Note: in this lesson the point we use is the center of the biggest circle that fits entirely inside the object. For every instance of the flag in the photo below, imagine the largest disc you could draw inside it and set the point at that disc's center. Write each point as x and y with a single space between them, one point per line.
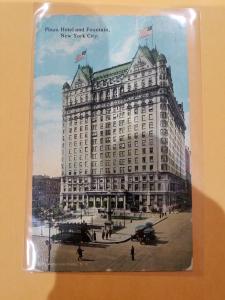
80 56
145 32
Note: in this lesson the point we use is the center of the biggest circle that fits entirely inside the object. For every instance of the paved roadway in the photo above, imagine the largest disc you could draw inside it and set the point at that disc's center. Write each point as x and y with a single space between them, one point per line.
173 251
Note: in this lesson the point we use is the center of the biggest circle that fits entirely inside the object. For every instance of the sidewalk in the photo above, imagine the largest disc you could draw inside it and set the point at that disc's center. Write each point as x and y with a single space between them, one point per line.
124 234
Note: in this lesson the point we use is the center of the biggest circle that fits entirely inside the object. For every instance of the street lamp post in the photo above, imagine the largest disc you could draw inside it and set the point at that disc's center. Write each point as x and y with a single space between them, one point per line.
124 208
109 211
48 242
49 245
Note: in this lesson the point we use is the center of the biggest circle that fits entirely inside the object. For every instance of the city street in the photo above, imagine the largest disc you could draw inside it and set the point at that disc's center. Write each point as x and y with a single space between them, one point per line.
172 252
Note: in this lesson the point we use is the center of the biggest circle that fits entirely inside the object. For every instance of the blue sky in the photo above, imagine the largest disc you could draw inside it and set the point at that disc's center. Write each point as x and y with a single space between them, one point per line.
54 64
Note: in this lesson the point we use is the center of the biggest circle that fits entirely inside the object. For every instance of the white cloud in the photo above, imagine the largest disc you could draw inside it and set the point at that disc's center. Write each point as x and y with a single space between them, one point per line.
47 149
40 101
61 47
122 55
47 115
42 82
47 137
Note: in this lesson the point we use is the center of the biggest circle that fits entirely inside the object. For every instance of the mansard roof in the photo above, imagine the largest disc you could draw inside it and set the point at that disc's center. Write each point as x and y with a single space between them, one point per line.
151 54
116 70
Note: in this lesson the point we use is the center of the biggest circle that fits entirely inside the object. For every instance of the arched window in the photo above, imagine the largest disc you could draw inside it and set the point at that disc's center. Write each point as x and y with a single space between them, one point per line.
121 89
115 92
101 96
107 94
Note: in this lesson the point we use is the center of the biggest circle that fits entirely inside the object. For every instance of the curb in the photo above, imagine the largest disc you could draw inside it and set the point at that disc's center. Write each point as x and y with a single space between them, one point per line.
114 242
160 220
127 239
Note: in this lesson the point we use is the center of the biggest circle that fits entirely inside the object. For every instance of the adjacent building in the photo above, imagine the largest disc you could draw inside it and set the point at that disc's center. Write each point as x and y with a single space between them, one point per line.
123 136
45 191
188 176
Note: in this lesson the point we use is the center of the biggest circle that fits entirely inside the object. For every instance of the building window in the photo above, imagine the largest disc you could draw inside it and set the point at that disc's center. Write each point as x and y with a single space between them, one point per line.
163 115
101 95
164 167
121 169
115 92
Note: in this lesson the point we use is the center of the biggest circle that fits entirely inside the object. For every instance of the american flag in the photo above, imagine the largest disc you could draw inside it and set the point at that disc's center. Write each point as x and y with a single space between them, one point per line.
80 56
145 32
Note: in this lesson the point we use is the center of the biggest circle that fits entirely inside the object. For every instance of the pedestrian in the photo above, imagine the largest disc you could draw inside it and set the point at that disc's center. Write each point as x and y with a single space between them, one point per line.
103 234
132 252
106 235
110 232
164 210
79 253
94 236
160 212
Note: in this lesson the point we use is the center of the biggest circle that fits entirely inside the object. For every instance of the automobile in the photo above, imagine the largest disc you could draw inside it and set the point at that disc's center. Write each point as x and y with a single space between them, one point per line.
134 209
71 233
144 233
71 237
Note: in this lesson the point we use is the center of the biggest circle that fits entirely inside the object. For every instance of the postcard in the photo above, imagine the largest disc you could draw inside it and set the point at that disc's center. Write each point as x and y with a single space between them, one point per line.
111 182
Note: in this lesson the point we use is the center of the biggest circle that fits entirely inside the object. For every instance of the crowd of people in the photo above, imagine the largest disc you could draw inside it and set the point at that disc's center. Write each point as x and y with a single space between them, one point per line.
106 234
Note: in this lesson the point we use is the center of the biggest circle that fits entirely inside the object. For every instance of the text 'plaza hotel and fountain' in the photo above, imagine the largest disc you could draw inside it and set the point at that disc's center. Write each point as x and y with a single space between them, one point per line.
123 136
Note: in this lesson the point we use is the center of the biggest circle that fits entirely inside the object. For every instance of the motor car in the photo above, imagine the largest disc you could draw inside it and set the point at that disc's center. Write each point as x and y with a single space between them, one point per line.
144 233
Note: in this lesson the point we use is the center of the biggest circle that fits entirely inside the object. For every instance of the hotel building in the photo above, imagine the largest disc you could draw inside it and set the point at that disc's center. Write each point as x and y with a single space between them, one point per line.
123 136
